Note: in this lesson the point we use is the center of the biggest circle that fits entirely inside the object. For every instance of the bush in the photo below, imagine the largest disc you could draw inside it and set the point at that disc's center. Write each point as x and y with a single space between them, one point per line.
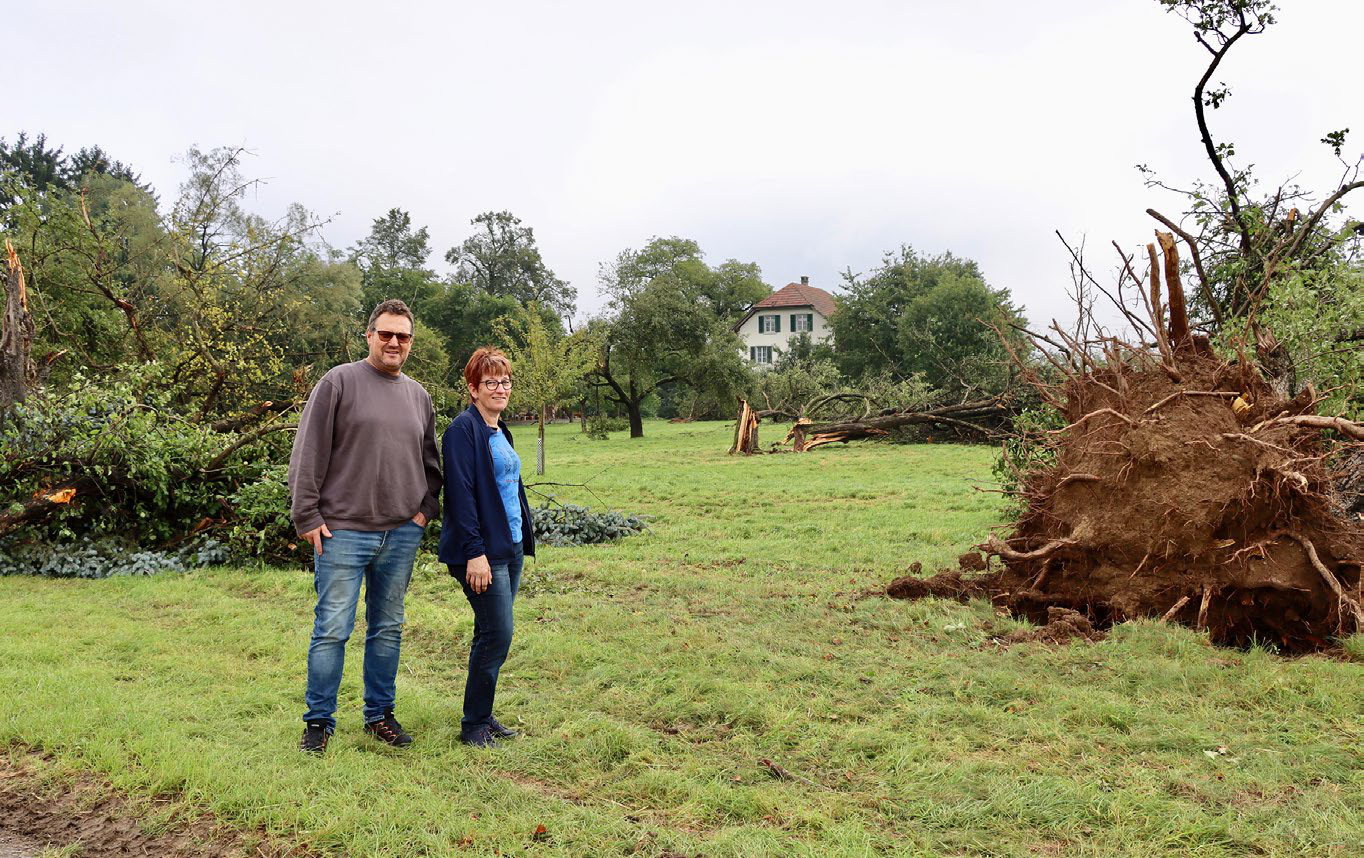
568 524
599 425
1026 451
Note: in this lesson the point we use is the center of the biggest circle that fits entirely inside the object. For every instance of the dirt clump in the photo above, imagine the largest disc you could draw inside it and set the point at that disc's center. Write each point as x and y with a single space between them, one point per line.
947 584
1063 625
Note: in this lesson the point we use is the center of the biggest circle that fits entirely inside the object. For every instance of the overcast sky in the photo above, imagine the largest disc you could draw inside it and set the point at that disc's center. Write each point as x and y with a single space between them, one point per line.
809 137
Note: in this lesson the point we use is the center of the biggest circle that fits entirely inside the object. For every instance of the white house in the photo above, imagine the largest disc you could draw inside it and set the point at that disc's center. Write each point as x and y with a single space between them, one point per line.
791 310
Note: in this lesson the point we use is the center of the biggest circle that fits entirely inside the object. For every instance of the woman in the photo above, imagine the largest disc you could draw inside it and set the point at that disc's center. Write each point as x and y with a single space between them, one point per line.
485 533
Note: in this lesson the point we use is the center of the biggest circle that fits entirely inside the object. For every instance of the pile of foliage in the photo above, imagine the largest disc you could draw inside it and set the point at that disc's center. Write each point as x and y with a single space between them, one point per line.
569 524
105 558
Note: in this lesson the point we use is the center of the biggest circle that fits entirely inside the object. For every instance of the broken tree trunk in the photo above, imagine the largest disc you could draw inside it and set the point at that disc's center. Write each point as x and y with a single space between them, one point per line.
16 336
745 430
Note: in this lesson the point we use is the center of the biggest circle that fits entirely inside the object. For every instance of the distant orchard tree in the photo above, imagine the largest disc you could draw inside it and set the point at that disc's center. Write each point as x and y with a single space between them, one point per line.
392 262
548 367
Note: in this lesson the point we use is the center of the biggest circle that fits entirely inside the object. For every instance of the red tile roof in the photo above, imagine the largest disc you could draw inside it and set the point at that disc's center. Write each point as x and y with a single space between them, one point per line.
799 295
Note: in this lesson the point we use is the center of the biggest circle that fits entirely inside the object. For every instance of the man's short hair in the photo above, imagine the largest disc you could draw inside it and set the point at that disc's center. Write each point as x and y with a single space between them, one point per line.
484 362
392 307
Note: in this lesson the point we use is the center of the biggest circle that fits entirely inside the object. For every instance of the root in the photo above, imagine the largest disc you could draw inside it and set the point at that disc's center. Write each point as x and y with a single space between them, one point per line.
1326 575
1175 609
1348 428
997 547
1226 394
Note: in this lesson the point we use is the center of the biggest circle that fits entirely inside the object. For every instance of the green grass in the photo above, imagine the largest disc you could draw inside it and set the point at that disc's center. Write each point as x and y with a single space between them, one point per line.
652 676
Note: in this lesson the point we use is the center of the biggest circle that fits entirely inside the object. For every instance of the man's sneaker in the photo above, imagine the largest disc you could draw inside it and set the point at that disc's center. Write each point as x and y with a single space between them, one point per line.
388 730
480 738
315 736
500 731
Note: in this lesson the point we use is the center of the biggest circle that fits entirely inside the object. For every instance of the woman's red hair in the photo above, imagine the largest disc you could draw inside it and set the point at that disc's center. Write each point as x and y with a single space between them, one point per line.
486 361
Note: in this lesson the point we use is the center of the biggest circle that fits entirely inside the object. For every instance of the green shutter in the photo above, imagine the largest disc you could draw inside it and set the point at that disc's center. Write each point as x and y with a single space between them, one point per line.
810 322
776 320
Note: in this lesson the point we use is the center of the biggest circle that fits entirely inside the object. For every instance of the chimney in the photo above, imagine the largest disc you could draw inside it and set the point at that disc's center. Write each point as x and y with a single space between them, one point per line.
804 280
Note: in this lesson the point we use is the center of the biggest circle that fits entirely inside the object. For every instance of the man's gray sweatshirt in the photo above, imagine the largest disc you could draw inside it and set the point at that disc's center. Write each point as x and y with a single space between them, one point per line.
365 455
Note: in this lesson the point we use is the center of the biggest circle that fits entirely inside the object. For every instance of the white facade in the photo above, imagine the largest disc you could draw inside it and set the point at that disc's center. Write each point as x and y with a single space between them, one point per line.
756 329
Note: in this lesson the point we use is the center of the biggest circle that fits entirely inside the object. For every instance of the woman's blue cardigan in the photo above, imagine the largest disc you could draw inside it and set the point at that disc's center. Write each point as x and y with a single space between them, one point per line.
474 522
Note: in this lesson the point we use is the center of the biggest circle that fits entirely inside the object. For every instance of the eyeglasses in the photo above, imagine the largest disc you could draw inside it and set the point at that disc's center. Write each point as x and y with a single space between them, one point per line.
385 336
495 383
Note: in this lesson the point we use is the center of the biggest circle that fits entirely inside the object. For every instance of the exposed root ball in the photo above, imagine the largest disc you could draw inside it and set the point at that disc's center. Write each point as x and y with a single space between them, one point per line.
1195 499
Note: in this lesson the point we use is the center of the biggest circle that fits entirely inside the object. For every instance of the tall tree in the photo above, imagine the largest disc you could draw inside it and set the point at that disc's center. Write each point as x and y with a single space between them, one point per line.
502 259
392 261
924 315
665 327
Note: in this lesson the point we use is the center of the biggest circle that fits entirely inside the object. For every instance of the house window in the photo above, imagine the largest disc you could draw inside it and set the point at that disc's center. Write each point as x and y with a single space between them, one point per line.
760 354
802 322
769 324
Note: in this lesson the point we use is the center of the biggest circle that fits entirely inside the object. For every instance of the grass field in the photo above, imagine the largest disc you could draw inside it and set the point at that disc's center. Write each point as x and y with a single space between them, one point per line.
653 677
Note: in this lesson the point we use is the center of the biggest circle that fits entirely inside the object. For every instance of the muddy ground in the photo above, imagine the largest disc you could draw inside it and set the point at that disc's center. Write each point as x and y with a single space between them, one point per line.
41 807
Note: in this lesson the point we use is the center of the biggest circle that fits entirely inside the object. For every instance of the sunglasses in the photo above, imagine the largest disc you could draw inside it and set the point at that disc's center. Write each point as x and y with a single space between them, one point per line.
385 336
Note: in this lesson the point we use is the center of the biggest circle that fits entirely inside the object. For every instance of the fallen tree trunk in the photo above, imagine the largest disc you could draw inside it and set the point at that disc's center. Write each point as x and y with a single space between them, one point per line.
972 418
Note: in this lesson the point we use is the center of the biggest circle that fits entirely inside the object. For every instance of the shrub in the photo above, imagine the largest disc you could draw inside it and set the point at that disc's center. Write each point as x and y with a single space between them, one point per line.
599 425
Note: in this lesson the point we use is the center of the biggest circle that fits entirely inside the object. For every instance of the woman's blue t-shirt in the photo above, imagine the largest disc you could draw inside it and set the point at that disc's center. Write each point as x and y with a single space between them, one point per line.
507 472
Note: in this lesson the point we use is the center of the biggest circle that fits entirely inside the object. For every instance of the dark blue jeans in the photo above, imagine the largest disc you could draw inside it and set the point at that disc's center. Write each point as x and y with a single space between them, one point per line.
383 561
492 639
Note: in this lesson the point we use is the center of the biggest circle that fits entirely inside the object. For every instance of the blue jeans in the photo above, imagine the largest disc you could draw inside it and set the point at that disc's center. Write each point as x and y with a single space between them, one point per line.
492 640
383 561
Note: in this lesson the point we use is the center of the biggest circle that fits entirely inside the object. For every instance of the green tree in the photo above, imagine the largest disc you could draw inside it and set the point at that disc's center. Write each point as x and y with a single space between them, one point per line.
502 259
548 366
923 315
392 261
1284 255
665 329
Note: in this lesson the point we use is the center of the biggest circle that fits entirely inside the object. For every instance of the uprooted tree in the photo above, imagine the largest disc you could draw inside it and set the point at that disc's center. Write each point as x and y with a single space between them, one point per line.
1182 486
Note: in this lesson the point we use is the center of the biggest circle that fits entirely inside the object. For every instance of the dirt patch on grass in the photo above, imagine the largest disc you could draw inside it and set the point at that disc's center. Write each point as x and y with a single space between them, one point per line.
40 805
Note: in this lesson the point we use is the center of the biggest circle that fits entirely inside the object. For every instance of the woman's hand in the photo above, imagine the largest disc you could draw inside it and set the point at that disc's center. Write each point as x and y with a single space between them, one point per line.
478 573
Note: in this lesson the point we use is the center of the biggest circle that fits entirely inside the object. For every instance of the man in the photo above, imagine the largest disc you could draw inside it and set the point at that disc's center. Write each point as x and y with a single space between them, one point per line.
364 476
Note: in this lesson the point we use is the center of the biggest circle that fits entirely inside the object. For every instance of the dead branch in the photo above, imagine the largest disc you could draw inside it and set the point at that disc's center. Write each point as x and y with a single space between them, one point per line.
1174 289
1204 285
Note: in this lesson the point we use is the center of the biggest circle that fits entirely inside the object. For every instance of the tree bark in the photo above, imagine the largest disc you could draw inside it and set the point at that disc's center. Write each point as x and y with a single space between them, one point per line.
16 336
